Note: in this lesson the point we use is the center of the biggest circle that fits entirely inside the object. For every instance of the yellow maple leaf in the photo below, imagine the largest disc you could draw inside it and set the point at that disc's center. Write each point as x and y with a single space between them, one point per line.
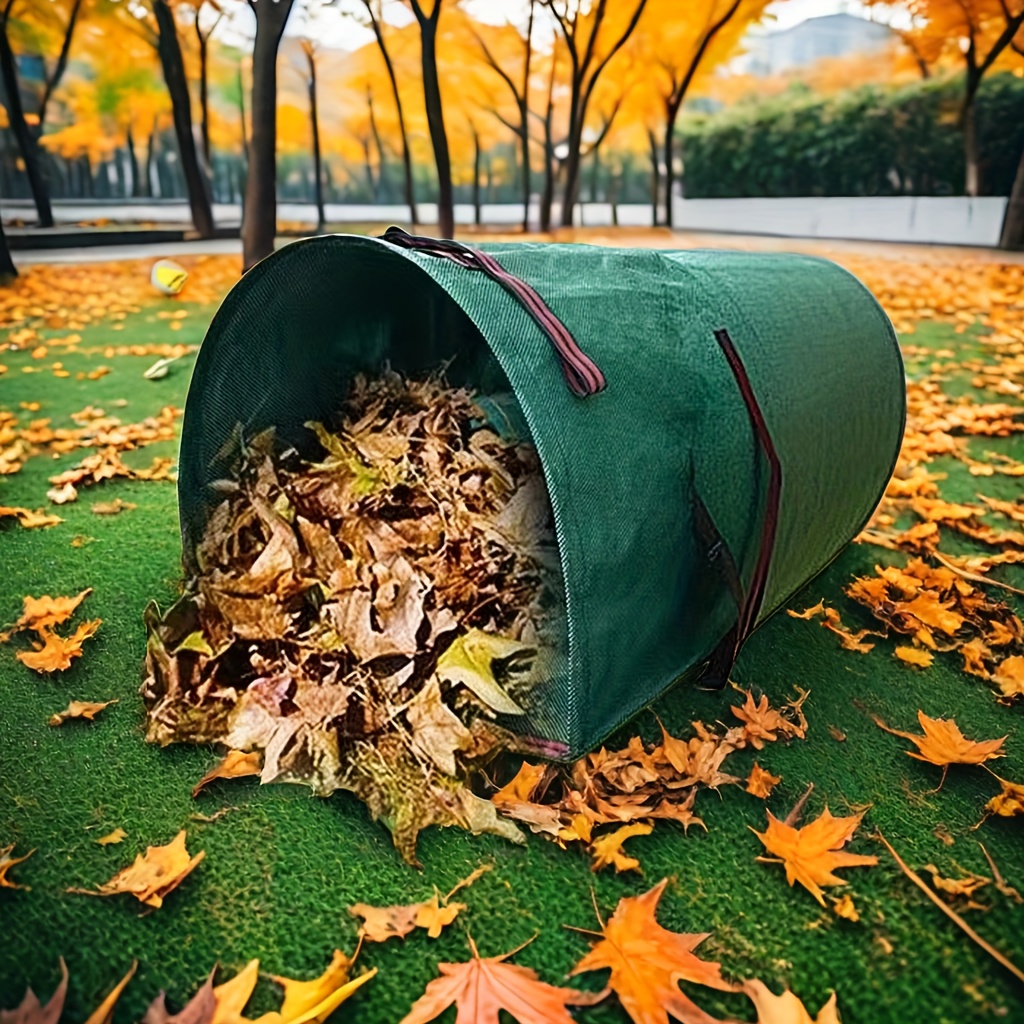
1009 676
811 854
915 656
761 782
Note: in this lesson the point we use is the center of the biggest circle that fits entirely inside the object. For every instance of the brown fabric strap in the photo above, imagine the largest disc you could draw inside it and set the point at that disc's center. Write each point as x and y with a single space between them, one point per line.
750 600
581 372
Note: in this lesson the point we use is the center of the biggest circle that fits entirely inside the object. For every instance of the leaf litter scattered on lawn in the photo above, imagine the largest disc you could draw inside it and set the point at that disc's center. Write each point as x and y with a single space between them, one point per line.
941 611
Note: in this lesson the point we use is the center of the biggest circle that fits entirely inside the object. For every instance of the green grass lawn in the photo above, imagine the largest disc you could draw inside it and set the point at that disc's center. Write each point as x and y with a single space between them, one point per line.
282 867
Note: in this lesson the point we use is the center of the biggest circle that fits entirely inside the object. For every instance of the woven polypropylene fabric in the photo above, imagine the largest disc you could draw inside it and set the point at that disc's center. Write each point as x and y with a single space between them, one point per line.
644 606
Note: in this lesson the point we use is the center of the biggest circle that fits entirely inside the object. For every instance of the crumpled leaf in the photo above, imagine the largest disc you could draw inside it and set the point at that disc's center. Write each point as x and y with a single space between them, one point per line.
764 724
812 854
966 886
153 875
1008 802
6 863
1009 676
43 612
56 653
30 1011
844 907
234 765
914 656
80 709
433 915
117 836
437 732
28 519
647 962
481 987
607 849
787 1008
470 661
761 782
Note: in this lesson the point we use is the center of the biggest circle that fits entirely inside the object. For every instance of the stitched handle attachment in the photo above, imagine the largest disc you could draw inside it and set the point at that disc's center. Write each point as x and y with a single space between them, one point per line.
581 373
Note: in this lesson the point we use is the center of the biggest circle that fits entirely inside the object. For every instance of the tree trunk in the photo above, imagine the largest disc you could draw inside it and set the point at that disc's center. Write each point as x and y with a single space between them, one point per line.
259 220
60 67
655 179
970 149
19 127
1012 235
572 160
595 173
204 90
383 177
150 154
173 67
410 184
133 163
435 121
318 182
476 178
8 271
671 115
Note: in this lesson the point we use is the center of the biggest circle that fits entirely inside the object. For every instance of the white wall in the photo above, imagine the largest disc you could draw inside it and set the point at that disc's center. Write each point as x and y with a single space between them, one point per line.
949 220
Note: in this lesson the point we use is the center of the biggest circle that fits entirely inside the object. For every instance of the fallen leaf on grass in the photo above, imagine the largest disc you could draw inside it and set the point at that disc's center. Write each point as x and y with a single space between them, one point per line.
943 744
56 652
157 872
761 782
787 1008
112 508
31 1011
235 765
966 886
80 709
915 656
1008 802
482 987
62 495
433 915
1009 676
42 612
811 854
6 863
844 907
607 849
764 724
104 1013
30 520
648 962
808 613
112 837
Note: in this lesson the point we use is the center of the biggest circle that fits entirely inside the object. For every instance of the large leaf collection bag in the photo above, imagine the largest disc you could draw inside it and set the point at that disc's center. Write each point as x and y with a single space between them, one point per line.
711 428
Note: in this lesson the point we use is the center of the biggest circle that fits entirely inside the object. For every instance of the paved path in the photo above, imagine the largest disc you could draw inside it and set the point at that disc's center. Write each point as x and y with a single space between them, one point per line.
659 238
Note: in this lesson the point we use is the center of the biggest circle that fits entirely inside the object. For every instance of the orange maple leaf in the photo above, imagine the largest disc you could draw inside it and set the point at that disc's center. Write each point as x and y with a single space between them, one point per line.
944 744
647 963
811 854
607 849
235 764
481 987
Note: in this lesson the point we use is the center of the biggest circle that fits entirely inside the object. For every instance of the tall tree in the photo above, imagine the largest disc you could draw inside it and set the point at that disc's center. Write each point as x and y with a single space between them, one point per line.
259 220
309 50
373 10
676 43
428 22
594 32
23 134
168 48
203 39
977 33
521 94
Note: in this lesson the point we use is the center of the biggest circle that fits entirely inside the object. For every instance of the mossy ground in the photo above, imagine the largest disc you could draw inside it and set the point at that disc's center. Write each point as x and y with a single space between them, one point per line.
281 867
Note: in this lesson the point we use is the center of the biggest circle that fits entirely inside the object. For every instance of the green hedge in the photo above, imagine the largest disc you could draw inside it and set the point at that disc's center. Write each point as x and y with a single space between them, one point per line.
872 141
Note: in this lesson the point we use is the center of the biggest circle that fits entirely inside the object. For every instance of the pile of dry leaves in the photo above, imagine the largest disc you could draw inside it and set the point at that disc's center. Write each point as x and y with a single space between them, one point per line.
364 619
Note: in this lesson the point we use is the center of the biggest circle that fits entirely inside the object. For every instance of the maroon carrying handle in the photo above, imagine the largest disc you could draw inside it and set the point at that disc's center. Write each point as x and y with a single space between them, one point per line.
581 373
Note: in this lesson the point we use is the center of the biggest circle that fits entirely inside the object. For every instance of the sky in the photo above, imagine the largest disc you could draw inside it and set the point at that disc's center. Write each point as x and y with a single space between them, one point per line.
332 29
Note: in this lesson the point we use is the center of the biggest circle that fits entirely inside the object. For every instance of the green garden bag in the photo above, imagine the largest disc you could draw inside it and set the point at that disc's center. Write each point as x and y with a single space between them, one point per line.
714 426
